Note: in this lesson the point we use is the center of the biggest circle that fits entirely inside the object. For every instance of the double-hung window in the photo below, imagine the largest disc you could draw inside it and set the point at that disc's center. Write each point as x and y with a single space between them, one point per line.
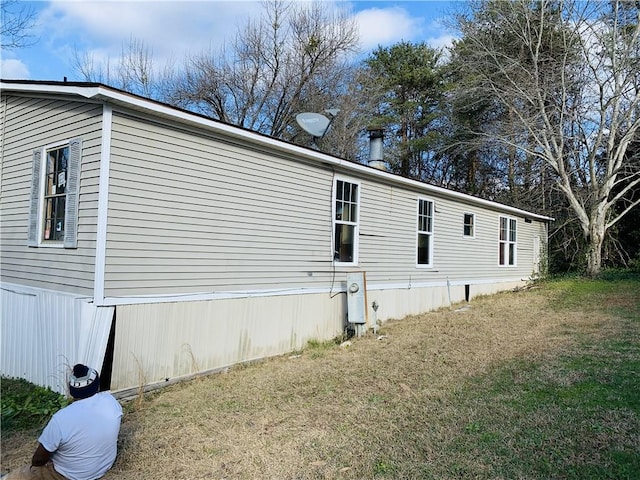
507 244
425 233
345 221
469 225
53 215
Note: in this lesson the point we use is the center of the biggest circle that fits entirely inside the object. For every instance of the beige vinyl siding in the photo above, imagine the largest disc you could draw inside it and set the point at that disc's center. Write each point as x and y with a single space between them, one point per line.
190 213
388 229
31 123
477 258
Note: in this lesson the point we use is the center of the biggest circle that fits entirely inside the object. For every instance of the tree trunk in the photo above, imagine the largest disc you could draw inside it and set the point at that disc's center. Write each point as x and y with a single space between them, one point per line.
472 186
595 240
557 101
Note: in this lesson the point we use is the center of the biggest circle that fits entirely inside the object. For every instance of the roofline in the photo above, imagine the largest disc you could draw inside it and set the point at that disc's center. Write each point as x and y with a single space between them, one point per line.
104 93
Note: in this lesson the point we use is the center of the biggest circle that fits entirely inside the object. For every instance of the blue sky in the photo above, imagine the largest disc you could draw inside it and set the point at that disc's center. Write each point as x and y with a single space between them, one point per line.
172 29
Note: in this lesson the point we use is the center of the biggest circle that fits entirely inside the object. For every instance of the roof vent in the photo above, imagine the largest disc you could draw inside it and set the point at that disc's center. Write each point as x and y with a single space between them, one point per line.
376 135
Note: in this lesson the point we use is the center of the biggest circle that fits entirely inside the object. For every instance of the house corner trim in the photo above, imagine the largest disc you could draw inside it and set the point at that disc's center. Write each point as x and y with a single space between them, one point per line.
103 206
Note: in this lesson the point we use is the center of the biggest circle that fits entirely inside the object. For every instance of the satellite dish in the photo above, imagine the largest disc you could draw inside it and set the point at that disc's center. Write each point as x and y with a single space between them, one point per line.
314 124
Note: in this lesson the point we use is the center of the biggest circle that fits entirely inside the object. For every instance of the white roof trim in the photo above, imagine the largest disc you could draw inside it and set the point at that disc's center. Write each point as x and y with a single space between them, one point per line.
107 94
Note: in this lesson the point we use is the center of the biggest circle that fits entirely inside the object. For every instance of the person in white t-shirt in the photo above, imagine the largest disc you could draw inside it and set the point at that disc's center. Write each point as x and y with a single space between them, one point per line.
80 440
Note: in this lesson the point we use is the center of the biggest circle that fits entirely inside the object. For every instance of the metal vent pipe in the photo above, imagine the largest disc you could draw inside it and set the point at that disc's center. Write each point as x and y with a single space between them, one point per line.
376 136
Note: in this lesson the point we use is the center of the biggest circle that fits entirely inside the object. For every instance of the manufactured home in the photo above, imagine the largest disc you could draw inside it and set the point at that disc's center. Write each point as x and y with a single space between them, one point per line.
155 244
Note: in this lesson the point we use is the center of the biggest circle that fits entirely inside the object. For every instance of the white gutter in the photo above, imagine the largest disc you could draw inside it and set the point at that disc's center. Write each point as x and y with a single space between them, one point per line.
107 94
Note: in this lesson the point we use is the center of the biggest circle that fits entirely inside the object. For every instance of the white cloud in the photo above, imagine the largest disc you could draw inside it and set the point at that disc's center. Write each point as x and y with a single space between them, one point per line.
386 26
443 41
14 69
170 29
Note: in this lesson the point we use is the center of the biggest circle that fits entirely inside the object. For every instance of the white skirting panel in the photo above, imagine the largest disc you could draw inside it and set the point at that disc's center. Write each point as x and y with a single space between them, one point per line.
44 333
491 288
398 303
158 342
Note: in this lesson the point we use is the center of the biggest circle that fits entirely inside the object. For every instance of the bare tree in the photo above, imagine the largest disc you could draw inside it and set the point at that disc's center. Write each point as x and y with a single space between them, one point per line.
568 74
293 55
357 100
17 21
133 71
91 70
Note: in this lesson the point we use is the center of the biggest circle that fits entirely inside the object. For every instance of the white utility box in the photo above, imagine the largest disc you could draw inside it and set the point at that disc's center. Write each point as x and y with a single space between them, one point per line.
357 297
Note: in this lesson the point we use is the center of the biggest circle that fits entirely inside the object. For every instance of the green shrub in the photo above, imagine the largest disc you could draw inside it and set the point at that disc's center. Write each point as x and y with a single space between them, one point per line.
26 406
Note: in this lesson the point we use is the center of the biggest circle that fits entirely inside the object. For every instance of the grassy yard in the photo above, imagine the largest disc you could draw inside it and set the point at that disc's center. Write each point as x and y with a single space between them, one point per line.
535 384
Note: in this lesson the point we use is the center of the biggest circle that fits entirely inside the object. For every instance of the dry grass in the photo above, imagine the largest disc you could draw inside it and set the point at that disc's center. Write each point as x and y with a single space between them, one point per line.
384 407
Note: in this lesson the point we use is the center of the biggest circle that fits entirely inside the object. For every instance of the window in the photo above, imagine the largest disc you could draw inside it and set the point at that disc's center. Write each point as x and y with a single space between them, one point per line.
507 241
55 186
425 232
53 216
469 225
346 217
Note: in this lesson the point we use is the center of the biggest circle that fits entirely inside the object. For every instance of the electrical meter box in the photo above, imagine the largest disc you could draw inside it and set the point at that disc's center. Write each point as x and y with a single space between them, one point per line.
357 297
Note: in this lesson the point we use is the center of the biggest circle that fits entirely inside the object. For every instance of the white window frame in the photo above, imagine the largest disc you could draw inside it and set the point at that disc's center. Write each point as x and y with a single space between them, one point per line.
37 203
429 233
473 225
338 221
510 240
